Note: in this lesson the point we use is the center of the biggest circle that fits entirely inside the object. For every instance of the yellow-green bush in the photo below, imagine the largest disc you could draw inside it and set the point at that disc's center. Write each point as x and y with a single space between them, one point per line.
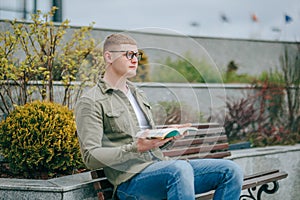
39 138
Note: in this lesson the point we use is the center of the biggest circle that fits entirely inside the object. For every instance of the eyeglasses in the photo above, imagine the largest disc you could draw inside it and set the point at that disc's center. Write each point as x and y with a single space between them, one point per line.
130 54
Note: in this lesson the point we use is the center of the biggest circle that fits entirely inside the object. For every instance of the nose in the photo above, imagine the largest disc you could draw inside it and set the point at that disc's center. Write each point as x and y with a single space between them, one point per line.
134 59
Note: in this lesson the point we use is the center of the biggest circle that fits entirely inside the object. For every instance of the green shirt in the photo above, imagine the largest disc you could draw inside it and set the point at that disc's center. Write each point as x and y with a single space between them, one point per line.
106 127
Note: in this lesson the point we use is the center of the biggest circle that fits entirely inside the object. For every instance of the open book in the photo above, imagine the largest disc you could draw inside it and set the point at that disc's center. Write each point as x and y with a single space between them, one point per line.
165 132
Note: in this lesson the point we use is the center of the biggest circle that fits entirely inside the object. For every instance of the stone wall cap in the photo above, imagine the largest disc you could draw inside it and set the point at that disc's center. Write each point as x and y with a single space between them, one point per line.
65 183
251 152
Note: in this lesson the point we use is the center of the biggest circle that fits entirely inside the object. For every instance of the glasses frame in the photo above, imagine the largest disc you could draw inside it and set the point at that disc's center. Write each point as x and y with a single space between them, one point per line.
130 54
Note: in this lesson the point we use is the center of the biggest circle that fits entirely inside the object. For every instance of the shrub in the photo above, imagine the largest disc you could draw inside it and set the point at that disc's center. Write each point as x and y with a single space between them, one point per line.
232 76
187 69
260 118
39 139
171 112
274 136
242 118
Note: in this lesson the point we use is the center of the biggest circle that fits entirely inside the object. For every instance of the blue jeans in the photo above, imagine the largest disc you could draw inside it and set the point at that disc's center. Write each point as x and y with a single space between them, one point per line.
180 179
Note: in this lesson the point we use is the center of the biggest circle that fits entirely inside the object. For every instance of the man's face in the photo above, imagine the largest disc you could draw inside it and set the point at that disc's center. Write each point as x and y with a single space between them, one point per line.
124 63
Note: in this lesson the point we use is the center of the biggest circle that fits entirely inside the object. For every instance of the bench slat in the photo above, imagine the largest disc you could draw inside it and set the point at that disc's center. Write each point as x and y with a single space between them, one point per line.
221 154
198 141
260 174
264 179
195 150
206 132
205 196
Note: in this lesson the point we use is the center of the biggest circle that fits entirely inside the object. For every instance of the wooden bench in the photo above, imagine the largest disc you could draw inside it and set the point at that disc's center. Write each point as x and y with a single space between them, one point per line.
209 141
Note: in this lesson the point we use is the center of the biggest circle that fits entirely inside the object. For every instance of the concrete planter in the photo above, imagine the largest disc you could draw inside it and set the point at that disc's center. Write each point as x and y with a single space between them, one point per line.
73 187
285 158
80 186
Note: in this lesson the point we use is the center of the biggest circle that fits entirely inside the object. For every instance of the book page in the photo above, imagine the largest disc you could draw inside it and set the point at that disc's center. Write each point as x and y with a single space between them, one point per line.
159 133
165 132
184 129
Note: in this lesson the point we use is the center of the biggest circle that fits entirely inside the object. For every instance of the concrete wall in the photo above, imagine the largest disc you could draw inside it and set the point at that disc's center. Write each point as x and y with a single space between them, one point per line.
285 158
209 99
252 56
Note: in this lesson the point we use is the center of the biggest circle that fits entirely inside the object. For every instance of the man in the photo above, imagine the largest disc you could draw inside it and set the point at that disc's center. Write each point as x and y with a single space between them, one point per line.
109 116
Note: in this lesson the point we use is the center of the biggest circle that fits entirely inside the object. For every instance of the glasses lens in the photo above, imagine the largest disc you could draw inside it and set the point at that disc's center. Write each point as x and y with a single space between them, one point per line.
131 54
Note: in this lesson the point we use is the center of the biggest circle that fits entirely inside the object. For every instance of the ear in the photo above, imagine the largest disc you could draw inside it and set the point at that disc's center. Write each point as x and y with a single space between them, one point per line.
107 57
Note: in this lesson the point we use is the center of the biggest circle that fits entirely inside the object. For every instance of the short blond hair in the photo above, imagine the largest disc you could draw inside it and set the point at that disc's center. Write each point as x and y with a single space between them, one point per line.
117 39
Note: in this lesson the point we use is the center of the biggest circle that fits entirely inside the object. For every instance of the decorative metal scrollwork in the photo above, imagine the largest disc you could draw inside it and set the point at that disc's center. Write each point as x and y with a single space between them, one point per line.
263 188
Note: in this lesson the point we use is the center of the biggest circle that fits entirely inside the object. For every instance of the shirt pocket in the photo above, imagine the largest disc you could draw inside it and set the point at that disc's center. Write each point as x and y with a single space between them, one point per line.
117 120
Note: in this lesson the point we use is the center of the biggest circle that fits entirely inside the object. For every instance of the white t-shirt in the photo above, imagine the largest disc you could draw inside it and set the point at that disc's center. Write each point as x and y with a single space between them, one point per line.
143 122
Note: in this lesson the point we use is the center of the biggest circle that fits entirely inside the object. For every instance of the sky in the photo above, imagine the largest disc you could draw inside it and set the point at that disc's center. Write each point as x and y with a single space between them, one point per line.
194 17
188 17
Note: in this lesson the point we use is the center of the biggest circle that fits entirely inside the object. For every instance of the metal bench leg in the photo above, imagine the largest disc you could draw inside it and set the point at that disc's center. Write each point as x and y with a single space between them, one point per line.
263 188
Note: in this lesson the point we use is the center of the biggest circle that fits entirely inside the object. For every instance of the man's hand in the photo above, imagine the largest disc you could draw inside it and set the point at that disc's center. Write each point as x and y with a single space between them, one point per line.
145 144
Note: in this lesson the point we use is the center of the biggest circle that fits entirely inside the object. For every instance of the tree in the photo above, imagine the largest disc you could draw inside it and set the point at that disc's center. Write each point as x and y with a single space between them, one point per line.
34 55
290 65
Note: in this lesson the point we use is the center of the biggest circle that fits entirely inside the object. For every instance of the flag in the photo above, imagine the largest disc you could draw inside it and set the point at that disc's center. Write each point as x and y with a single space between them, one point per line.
288 18
254 17
195 24
224 18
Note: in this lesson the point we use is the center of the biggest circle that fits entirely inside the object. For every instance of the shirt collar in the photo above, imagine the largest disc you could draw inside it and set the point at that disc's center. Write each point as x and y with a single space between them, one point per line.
106 88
